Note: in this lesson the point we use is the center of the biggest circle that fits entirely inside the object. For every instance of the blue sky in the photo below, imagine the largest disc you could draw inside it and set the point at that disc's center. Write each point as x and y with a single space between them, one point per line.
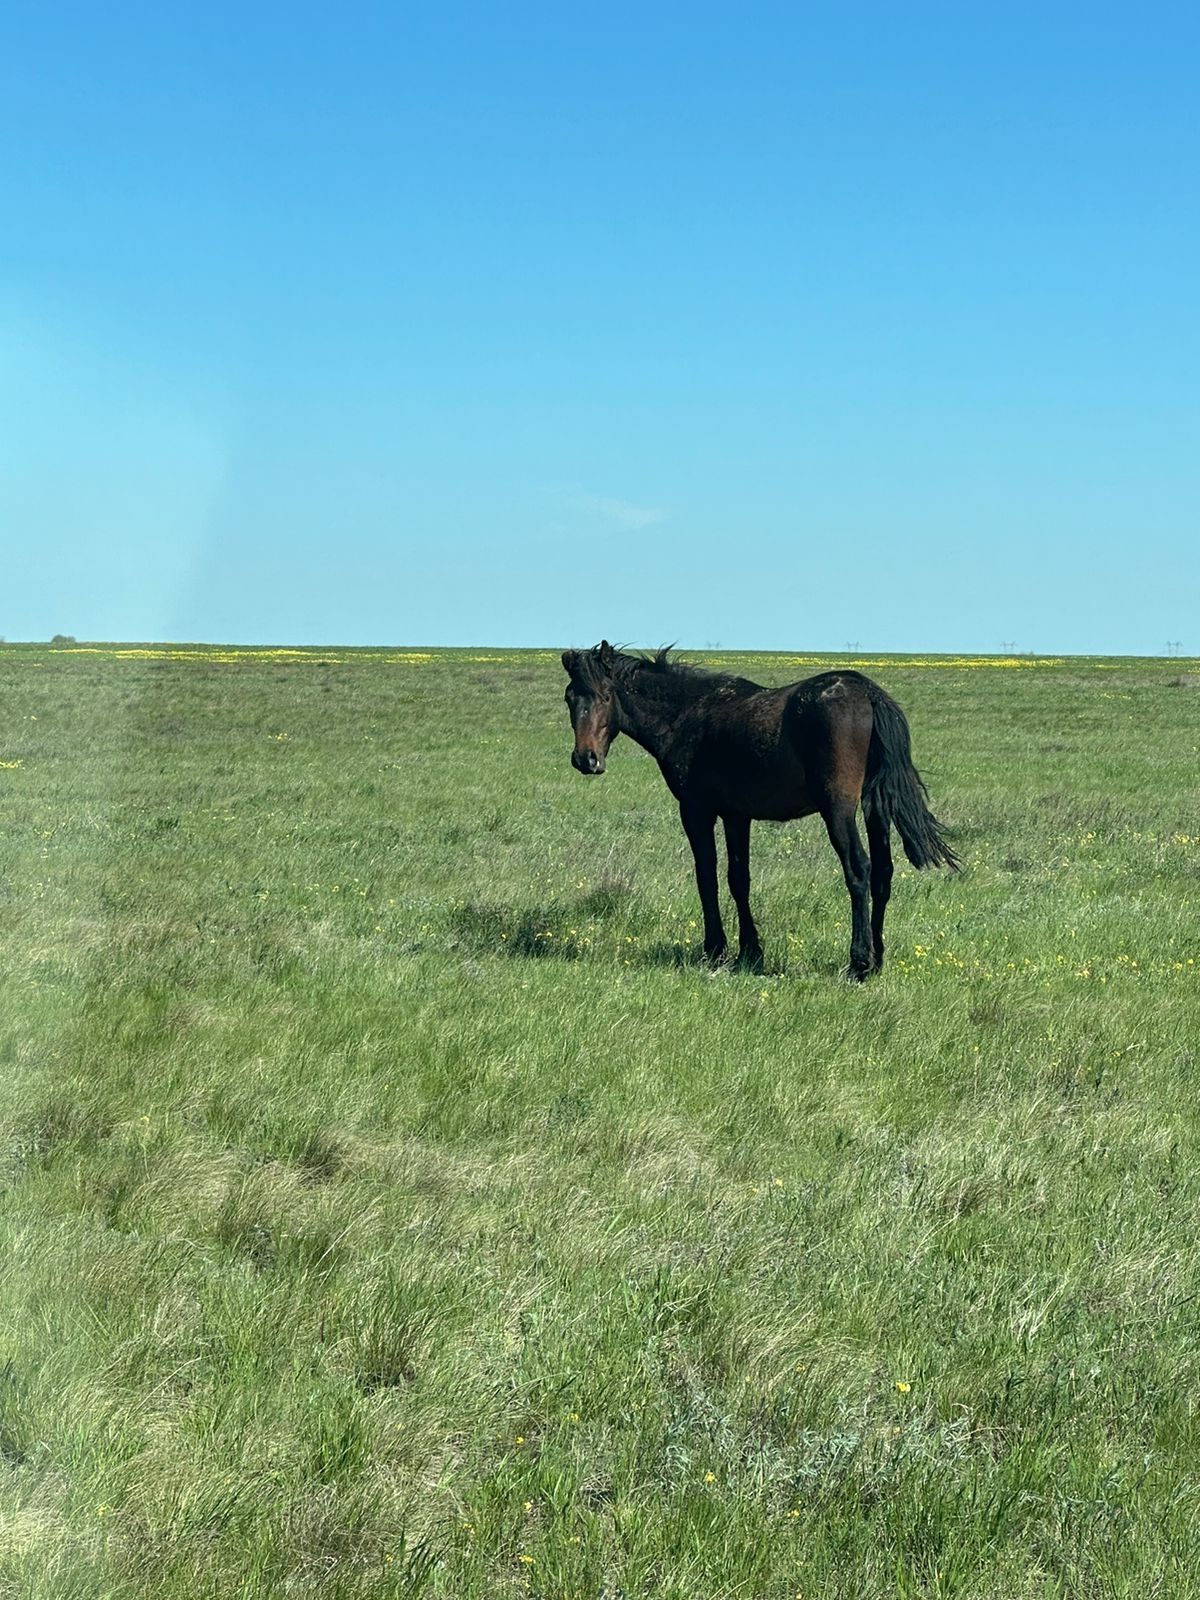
779 326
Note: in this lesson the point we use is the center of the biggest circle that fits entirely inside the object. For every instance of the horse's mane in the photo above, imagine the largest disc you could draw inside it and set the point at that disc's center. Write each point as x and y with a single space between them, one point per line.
624 664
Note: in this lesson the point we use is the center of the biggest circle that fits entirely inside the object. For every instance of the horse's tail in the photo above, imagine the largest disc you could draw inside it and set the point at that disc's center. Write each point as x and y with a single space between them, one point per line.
894 791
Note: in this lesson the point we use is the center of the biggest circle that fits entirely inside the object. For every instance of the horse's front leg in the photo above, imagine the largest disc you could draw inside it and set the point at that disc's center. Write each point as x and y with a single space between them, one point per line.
698 825
737 848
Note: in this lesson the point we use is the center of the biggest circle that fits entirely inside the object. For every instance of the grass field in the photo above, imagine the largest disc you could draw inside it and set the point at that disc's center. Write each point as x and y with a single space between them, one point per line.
393 1205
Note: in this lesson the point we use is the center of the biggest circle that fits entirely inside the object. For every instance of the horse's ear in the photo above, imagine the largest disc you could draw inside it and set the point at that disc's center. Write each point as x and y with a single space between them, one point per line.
569 658
606 653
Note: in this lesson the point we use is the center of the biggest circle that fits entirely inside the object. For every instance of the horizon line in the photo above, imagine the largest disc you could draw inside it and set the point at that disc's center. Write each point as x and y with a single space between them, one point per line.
67 642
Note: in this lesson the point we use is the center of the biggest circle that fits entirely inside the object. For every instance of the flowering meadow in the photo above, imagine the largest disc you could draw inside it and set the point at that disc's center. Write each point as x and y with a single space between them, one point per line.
393 1204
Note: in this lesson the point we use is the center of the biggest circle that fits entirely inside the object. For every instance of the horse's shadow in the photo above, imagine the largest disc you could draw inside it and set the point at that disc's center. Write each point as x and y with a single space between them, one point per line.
558 931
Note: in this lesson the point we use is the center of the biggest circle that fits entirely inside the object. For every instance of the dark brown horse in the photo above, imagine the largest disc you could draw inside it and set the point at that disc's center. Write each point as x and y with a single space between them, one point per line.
729 748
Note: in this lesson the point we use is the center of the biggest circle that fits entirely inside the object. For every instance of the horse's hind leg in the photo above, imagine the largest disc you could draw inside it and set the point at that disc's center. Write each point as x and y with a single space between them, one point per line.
879 841
844 837
737 848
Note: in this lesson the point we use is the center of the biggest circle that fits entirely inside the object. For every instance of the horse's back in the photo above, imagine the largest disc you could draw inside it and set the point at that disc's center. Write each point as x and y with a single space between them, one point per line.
743 757
775 754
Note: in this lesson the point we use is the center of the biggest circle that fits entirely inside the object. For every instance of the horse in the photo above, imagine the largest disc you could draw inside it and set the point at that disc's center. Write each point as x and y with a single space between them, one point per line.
732 749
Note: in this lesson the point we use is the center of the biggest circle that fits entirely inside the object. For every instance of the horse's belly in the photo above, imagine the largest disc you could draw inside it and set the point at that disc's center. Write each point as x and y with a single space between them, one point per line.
768 812
771 796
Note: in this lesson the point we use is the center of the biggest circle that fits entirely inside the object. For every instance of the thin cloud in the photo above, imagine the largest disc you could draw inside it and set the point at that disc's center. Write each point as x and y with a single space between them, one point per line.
620 513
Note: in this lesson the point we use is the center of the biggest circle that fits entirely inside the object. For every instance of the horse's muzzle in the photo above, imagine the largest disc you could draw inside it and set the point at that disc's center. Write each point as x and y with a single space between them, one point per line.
587 762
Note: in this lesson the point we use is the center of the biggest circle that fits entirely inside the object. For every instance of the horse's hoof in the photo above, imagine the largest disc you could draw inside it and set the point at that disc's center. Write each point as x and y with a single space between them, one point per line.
858 974
750 961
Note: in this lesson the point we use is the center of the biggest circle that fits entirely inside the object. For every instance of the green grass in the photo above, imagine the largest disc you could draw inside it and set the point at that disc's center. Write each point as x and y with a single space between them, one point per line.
393 1205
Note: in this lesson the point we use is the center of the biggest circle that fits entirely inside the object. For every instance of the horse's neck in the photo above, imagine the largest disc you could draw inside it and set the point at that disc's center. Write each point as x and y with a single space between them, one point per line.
650 710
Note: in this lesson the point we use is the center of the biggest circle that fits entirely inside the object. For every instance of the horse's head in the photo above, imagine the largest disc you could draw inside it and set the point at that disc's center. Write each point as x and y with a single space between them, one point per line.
592 701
